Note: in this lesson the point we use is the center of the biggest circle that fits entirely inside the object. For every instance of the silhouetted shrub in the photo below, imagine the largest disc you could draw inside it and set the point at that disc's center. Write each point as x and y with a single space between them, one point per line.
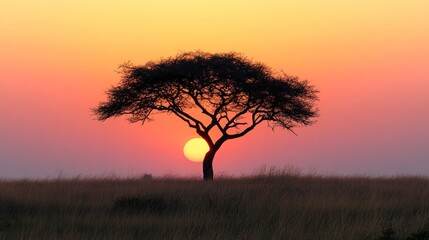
146 204
388 234
422 234
147 177
9 215
391 234
11 208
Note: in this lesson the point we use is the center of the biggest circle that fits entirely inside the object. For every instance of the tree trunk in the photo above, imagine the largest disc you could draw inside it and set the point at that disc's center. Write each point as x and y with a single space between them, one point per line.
208 165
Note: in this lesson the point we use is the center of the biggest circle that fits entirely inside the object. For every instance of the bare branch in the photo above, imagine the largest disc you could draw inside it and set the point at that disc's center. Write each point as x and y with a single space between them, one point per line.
185 115
192 125
244 132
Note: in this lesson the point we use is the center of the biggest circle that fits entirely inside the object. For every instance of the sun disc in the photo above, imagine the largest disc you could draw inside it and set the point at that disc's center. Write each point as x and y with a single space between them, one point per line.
195 149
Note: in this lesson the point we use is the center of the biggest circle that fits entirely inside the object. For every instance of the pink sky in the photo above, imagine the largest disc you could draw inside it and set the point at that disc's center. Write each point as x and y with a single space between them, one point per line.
369 59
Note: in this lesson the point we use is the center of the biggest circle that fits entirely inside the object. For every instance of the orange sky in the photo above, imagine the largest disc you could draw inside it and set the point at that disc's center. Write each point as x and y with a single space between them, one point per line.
369 59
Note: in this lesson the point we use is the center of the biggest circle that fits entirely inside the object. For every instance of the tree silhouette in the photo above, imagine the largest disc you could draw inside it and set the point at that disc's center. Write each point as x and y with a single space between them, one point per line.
232 94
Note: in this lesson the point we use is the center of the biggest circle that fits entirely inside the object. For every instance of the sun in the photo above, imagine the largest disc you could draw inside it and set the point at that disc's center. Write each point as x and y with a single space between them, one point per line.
195 149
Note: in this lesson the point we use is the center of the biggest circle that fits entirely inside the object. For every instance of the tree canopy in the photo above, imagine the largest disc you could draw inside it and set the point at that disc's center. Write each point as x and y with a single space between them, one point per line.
233 93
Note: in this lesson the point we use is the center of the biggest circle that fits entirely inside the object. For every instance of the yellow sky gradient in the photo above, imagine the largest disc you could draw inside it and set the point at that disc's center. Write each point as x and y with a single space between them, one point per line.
282 33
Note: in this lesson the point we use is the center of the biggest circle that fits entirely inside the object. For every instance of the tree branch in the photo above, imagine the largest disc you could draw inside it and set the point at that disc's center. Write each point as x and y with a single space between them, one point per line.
244 132
200 105
188 118
184 119
231 123
256 120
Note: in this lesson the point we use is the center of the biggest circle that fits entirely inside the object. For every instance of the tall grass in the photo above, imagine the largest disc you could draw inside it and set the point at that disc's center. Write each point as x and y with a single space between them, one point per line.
274 206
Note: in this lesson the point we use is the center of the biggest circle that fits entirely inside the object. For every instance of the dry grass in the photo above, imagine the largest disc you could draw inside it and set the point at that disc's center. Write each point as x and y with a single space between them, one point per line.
261 207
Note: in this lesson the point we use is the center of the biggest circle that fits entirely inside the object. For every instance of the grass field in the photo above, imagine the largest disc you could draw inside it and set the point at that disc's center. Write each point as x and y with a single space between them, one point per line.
260 207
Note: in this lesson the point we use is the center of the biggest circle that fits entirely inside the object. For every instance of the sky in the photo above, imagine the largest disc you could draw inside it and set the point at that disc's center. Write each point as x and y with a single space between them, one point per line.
369 60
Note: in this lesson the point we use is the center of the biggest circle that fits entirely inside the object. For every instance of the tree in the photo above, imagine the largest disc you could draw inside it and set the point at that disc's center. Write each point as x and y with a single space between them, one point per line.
233 95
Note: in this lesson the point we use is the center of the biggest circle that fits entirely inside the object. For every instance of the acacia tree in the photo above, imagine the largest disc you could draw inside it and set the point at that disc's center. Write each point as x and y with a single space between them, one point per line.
232 94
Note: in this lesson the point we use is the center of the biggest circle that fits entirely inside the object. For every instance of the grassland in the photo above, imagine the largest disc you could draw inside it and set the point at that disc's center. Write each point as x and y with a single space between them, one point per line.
261 207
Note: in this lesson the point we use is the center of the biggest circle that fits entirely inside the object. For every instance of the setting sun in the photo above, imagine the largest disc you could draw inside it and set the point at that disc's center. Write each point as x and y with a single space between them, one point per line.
195 149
